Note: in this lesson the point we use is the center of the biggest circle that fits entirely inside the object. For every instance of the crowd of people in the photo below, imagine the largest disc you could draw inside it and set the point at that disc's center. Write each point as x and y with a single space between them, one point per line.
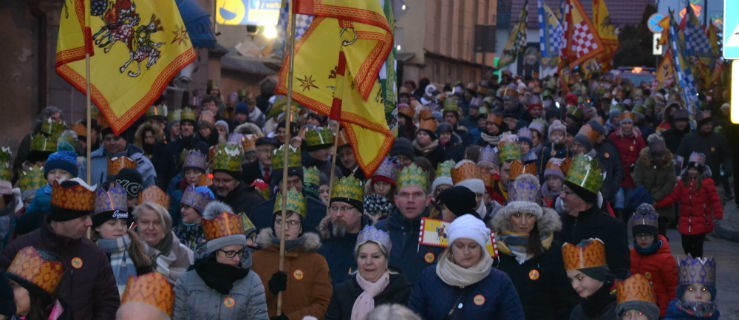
554 204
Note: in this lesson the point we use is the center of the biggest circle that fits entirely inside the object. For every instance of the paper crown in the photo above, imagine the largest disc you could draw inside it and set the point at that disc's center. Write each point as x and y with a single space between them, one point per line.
387 169
197 200
155 195
348 188
404 109
425 114
697 270
53 128
42 143
32 178
508 149
464 170
428 125
228 157
318 138
311 176
585 172
444 169
295 203
495 119
117 164
38 268
5 163
188 114
413 176
518 168
371 234
195 159
157 111
115 199
293 157
152 289
524 188
249 142
174 116
488 156
75 198
589 253
223 225
635 289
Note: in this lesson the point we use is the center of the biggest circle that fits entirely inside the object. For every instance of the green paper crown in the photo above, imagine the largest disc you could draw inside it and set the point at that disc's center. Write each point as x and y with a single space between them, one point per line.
413 176
228 157
585 172
53 128
444 169
509 151
450 105
174 116
32 178
5 158
318 138
348 188
42 143
311 177
295 203
188 114
293 158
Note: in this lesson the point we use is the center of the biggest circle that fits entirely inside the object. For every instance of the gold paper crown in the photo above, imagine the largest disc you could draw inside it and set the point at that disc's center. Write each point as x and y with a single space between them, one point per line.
293 157
318 138
589 253
115 165
587 131
249 142
444 169
155 195
152 289
311 176
464 170
585 172
450 105
228 157
518 168
223 225
413 176
428 125
174 116
5 157
406 110
425 114
188 114
348 188
42 143
32 178
635 288
38 268
509 150
295 203
76 198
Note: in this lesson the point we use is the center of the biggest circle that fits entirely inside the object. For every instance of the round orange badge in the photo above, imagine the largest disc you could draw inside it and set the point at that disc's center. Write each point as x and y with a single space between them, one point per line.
534 274
429 257
479 300
229 302
648 275
77 263
298 274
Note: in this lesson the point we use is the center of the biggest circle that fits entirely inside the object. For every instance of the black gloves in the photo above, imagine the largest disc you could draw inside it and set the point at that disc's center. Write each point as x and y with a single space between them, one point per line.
278 283
280 317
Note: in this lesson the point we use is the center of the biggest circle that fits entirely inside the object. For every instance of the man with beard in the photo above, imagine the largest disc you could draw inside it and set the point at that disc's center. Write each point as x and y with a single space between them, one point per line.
340 228
169 158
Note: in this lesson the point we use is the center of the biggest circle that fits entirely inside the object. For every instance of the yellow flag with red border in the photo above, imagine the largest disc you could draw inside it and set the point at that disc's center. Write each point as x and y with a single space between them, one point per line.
665 73
606 32
136 48
583 42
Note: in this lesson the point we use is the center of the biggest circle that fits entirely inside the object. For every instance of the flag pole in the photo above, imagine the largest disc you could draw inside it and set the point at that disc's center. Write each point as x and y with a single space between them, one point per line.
334 155
286 146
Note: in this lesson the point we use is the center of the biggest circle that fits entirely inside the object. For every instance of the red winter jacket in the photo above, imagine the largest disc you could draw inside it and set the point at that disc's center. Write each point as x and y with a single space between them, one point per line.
698 208
660 269
628 151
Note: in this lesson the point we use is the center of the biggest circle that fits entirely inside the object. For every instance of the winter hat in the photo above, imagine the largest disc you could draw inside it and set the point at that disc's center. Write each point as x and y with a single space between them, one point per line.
557 126
459 200
109 205
71 199
571 99
242 108
440 181
538 125
402 147
64 158
635 293
657 147
524 135
131 181
697 160
222 123
222 227
376 236
468 226
644 220
444 128
197 198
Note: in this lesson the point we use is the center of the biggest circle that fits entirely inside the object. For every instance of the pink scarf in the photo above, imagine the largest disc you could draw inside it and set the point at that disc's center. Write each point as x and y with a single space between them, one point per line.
366 301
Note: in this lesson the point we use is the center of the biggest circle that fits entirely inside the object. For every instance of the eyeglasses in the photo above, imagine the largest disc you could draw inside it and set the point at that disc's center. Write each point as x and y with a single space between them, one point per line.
232 253
341 208
288 223
631 314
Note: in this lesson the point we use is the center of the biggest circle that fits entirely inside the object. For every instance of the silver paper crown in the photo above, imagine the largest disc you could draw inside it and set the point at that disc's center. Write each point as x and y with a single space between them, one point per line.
195 159
697 270
112 200
196 200
524 188
372 234
488 154
387 169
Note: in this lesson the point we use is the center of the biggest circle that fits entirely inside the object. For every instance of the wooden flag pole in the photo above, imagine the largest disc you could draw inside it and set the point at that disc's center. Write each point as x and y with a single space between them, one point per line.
286 145
334 155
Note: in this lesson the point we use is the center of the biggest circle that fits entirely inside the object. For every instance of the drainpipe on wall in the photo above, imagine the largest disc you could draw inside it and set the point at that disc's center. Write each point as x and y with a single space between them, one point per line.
42 53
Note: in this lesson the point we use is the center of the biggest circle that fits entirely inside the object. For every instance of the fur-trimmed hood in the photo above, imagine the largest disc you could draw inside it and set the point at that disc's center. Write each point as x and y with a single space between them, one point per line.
548 223
311 241
645 160
249 128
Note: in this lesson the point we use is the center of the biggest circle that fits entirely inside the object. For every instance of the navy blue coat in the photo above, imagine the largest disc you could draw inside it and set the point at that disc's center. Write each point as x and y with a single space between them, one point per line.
492 298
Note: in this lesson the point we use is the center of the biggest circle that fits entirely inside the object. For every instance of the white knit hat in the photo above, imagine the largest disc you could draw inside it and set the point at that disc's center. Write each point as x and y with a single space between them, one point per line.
469 227
475 185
